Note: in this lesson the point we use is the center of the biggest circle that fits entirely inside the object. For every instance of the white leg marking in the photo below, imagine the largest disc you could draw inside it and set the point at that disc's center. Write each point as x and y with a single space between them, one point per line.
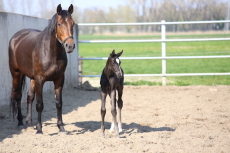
111 128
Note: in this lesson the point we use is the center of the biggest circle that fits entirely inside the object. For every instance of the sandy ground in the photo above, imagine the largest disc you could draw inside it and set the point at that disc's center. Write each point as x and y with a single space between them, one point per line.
155 119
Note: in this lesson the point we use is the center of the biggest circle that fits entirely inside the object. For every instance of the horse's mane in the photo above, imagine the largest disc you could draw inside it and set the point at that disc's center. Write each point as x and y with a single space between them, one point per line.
52 25
52 22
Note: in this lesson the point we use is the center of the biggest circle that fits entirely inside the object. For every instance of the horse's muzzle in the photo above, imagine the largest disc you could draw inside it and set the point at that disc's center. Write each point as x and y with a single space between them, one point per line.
69 46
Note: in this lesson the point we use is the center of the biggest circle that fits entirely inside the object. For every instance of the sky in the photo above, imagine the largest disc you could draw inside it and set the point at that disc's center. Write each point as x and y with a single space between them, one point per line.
33 7
93 3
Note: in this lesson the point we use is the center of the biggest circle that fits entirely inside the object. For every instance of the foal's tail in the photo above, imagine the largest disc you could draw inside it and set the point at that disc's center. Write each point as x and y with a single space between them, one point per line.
13 102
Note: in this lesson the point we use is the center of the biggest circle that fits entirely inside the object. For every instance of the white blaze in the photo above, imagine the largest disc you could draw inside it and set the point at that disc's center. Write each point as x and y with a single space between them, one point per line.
117 60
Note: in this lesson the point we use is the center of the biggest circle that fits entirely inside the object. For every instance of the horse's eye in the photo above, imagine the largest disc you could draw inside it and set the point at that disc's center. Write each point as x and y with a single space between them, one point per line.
59 24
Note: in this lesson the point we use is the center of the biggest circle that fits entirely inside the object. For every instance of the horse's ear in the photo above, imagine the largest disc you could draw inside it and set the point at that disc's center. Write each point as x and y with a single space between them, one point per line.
113 52
119 54
70 10
59 9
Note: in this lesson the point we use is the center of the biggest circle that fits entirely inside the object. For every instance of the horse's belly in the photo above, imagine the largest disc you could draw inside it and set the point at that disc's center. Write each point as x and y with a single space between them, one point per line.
54 72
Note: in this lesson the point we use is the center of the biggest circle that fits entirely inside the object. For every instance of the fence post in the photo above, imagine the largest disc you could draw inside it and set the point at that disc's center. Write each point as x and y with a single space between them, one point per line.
79 70
76 74
163 52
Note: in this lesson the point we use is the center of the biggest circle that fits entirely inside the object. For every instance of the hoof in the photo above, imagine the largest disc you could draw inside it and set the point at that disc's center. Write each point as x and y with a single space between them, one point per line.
62 133
120 130
111 130
20 127
103 135
39 132
117 136
29 125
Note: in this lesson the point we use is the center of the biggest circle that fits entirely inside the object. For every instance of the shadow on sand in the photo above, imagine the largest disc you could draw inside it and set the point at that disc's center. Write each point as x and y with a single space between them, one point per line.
10 126
127 128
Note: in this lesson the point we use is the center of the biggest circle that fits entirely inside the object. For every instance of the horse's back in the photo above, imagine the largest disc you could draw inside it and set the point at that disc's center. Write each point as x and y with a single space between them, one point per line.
24 34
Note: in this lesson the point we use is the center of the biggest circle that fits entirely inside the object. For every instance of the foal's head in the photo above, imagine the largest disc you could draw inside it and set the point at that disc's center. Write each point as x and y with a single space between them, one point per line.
114 63
64 28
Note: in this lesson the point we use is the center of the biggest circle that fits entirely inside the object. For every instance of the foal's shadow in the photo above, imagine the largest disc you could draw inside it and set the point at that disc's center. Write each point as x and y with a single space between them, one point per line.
127 128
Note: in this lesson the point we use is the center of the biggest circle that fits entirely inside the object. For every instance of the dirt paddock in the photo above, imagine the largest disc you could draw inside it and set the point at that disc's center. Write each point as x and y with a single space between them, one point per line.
155 119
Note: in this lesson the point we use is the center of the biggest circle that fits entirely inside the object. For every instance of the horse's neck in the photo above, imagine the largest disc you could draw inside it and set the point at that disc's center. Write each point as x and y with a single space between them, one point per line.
108 72
54 48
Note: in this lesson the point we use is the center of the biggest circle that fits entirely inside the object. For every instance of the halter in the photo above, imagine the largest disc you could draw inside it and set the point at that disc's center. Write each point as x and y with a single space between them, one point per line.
63 42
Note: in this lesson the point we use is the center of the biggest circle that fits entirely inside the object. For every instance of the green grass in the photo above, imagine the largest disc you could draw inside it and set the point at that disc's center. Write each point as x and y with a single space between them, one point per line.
154 66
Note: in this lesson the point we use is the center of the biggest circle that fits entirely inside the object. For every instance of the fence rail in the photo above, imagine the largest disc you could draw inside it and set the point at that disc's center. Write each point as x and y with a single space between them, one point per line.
163 41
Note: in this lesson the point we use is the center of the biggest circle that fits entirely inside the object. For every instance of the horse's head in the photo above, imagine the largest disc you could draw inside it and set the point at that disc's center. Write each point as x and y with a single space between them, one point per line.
114 63
64 28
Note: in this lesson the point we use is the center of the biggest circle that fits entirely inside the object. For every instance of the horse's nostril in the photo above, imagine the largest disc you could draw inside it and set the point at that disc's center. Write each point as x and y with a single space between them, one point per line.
66 45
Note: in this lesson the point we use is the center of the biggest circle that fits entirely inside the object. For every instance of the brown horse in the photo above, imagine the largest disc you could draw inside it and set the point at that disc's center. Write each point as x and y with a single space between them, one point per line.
112 79
41 56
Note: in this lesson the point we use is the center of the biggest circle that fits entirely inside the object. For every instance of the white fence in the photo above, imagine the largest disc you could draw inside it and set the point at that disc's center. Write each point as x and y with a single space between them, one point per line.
163 41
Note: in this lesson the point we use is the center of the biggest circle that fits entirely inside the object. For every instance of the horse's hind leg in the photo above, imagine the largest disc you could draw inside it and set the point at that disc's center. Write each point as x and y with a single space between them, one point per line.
16 95
58 84
30 99
103 111
120 105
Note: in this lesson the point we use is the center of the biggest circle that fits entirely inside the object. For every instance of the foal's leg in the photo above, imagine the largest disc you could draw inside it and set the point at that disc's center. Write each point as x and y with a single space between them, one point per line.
58 84
120 105
16 96
30 99
39 106
114 111
103 111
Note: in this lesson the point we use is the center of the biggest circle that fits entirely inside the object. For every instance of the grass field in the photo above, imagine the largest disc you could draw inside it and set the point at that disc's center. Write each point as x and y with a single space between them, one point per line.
154 50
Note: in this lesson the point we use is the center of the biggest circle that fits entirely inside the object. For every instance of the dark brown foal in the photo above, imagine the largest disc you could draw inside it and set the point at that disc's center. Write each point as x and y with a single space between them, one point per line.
112 79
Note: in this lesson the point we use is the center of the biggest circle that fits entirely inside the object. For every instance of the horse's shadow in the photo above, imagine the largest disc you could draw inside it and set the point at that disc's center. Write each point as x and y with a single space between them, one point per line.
49 112
127 128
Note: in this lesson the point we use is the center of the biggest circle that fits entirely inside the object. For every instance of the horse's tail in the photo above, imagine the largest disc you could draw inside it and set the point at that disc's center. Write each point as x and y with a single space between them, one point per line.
13 102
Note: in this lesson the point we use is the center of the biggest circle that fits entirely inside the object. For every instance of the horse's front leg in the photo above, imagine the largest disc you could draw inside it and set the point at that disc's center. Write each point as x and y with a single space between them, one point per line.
58 84
30 99
39 106
114 111
120 105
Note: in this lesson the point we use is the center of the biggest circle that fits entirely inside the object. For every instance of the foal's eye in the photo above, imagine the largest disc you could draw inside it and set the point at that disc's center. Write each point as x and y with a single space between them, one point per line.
59 24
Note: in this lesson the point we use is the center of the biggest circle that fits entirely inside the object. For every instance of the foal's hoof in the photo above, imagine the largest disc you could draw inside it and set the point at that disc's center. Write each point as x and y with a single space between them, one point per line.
103 135
62 133
111 131
117 136
39 132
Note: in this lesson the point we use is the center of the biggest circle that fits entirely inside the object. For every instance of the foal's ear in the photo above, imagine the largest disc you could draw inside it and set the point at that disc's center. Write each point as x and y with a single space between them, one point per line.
113 53
70 10
59 9
119 54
